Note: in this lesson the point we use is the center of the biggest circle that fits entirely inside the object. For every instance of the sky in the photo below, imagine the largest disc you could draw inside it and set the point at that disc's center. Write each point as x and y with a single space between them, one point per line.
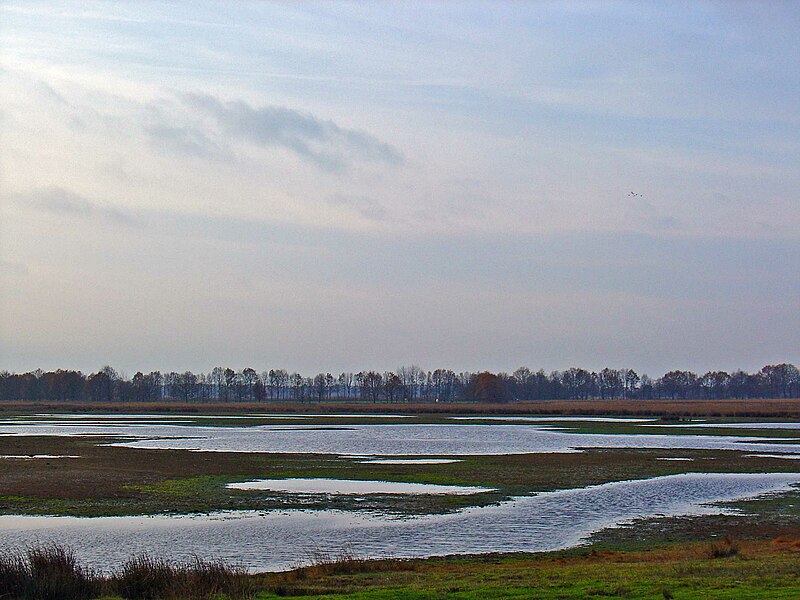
345 186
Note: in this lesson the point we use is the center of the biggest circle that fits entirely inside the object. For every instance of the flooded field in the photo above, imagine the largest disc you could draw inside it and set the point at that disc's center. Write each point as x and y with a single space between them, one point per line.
276 538
389 439
281 540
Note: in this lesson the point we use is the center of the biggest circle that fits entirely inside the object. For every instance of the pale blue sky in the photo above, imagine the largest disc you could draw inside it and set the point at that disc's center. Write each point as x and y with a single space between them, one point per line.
329 186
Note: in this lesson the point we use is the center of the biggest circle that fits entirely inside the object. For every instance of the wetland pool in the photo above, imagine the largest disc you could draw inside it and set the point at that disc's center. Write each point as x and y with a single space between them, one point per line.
389 439
278 540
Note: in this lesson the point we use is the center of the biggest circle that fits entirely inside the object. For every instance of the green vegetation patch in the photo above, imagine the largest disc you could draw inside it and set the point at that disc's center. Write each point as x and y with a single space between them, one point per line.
757 570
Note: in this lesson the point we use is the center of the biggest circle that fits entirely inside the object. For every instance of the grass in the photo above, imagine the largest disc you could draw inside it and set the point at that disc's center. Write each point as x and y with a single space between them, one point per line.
724 548
46 573
145 577
53 573
759 570
756 569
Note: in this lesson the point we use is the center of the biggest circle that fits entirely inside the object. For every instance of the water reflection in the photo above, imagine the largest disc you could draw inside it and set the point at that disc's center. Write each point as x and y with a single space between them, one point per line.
353 486
392 439
279 540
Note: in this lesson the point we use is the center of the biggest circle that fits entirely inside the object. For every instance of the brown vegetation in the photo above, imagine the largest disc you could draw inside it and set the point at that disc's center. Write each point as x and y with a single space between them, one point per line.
724 548
776 407
54 573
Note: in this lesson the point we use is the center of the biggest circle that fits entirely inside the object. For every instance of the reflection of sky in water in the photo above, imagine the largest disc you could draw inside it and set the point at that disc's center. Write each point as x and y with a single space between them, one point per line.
788 425
409 461
159 417
391 439
280 539
35 456
791 456
556 419
353 487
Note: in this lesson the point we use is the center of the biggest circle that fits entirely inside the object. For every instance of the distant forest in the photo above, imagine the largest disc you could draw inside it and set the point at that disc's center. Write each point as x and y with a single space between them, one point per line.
407 384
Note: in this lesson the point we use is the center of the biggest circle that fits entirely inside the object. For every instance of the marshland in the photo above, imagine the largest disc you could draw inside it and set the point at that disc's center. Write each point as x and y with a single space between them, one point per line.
182 491
421 299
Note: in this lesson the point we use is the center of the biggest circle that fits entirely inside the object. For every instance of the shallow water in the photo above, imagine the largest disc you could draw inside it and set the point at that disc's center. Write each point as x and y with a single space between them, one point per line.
431 440
557 419
790 456
353 487
751 425
280 540
35 456
409 461
388 439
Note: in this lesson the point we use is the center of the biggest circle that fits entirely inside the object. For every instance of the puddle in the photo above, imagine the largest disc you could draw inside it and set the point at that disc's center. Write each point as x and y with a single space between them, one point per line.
791 456
34 456
374 460
410 461
706 425
674 458
357 416
312 428
352 486
556 419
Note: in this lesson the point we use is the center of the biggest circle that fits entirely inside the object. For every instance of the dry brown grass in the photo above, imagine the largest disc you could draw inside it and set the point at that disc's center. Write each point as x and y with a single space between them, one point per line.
724 548
776 407
787 543
53 573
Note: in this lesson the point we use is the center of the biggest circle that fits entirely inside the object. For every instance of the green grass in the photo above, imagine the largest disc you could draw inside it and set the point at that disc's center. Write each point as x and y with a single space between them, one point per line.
687 572
766 569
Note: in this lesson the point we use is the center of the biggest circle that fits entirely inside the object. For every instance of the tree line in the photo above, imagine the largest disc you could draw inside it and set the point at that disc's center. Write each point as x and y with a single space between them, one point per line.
406 384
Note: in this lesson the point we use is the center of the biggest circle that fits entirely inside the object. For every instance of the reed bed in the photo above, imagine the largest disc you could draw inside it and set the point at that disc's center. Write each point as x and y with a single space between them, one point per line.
52 572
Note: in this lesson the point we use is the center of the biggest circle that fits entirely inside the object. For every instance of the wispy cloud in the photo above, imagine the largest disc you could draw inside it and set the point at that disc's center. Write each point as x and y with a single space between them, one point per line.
320 141
59 201
186 140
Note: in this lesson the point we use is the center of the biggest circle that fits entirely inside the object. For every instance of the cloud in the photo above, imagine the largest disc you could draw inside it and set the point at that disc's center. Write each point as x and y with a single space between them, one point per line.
58 201
322 142
186 140
47 91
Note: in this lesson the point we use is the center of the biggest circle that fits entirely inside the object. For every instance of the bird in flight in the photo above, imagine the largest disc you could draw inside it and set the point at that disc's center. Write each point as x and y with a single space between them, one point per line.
635 195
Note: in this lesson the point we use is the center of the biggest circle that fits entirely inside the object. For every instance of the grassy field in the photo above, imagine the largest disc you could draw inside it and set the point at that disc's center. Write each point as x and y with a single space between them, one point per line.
719 568
701 570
